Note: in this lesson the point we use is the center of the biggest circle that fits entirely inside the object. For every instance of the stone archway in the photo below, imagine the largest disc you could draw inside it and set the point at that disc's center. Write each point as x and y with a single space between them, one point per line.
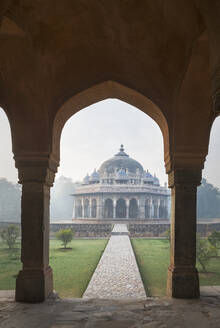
79 208
121 208
147 211
86 208
108 209
133 209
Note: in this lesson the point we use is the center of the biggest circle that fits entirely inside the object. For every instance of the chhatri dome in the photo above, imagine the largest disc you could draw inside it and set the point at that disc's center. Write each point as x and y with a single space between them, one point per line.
121 169
121 161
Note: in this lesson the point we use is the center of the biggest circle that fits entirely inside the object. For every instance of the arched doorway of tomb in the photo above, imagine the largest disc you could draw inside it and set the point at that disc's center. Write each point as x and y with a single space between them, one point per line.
86 208
108 209
94 208
121 208
133 209
162 209
147 209
79 208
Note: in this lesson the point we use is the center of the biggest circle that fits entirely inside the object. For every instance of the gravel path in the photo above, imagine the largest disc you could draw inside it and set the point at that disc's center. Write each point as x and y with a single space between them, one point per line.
117 275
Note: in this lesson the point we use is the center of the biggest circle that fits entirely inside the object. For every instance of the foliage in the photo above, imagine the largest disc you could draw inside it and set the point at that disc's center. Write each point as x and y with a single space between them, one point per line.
208 201
214 240
9 235
10 201
65 235
153 258
204 252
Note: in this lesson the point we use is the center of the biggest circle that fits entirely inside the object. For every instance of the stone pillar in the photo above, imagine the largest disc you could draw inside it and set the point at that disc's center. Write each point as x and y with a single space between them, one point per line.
158 208
127 208
114 208
35 281
182 279
74 210
83 212
151 208
90 208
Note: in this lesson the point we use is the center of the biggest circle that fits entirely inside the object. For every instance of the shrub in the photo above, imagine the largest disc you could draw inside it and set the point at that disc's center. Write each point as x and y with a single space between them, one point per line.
214 240
167 234
204 252
9 235
65 235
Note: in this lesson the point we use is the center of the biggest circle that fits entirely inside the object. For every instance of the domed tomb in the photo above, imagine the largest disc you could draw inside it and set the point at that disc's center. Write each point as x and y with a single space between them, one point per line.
121 161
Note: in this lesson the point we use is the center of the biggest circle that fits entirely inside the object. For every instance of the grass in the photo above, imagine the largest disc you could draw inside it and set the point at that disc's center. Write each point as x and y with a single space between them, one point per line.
153 257
72 268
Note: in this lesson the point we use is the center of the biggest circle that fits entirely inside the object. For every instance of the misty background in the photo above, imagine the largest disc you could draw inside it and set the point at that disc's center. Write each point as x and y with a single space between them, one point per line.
94 135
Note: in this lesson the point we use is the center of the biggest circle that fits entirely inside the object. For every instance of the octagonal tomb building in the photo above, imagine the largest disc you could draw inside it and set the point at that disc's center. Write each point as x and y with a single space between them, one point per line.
121 189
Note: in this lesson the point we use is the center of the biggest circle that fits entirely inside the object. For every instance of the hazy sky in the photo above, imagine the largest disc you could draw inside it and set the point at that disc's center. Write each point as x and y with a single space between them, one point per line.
94 135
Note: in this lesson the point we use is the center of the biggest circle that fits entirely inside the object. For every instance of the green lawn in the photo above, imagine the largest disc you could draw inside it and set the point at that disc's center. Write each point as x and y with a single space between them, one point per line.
153 260
72 268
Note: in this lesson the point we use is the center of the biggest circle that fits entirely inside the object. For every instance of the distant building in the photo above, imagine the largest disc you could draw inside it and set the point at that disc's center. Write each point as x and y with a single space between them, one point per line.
121 189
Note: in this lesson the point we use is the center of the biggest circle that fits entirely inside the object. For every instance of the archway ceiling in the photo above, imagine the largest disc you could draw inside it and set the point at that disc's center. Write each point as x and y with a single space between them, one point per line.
52 49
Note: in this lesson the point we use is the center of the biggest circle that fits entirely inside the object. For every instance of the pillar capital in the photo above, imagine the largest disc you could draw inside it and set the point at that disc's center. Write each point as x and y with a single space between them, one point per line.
186 158
36 167
185 176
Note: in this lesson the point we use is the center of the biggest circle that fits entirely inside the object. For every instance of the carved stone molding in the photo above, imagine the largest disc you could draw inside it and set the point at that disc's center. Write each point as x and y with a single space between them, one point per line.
186 178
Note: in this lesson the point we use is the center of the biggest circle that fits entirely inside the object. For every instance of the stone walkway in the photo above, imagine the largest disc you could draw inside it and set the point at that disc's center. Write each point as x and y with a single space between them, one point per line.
117 275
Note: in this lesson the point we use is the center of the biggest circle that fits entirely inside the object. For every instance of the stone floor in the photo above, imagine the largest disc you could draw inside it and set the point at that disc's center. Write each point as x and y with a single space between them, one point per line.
117 275
87 313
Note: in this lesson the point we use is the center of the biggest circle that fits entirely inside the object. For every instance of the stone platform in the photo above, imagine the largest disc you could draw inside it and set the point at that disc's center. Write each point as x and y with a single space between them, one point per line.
117 275
84 313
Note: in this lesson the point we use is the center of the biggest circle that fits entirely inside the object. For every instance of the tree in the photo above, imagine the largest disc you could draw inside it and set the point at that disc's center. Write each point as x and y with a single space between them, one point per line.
62 198
208 201
214 240
10 201
65 235
204 252
9 235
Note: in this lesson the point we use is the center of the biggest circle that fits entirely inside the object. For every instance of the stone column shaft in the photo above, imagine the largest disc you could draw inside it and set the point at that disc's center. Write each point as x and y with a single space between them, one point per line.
114 211
35 281
182 280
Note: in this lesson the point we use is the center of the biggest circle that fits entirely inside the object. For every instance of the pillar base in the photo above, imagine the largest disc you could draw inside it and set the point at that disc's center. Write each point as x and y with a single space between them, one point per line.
183 283
34 285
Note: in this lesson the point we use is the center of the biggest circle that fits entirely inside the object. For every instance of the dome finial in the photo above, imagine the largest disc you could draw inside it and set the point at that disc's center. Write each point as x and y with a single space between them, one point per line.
122 148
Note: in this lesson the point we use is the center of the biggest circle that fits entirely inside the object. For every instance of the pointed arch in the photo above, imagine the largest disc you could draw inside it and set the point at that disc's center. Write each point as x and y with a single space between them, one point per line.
102 91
